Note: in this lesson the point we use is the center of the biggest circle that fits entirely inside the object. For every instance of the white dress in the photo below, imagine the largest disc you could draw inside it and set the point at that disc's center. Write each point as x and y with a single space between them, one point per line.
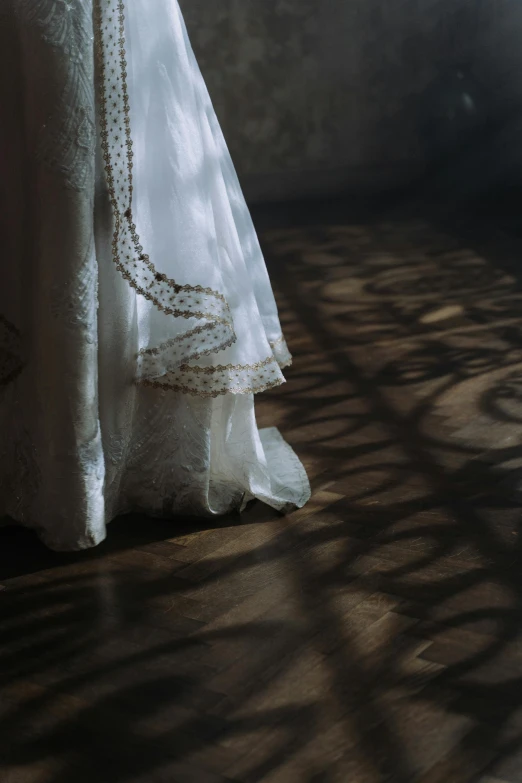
136 315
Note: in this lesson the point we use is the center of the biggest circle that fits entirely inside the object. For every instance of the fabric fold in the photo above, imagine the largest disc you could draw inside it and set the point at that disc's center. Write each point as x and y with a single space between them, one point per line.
192 324
137 318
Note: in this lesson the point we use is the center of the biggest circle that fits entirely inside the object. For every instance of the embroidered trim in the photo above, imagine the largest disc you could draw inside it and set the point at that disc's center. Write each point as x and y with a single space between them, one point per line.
165 386
169 296
229 367
281 352
222 378
173 341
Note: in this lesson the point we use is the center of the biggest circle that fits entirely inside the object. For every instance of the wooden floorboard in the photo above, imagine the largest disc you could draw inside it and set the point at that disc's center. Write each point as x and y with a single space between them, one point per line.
373 636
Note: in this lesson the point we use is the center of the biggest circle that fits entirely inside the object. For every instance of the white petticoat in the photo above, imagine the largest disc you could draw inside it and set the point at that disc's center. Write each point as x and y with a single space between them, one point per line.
113 397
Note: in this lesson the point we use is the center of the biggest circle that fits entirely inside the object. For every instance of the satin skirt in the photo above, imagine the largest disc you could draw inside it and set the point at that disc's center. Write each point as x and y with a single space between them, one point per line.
137 320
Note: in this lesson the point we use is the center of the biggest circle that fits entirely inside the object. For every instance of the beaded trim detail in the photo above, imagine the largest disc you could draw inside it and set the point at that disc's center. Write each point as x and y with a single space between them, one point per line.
214 381
169 296
165 365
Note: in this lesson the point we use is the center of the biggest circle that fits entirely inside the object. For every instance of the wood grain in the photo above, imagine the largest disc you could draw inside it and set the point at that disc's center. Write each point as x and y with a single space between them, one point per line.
374 635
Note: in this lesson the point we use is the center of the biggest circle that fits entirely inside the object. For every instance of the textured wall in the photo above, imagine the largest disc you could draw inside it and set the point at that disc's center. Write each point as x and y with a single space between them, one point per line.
310 86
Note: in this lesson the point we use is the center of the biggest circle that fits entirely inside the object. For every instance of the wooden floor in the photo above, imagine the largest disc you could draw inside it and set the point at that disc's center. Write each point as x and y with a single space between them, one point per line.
375 635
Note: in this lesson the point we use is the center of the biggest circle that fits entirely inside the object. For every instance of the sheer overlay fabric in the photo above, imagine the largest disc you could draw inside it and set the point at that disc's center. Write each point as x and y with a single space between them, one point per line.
137 318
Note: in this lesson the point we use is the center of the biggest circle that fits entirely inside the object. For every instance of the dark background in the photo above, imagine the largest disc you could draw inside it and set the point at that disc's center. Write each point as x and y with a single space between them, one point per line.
320 97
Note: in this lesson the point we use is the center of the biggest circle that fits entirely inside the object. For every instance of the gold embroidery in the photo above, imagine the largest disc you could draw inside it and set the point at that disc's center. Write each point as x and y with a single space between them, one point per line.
283 363
168 296
281 352
220 379
174 340
227 367
214 392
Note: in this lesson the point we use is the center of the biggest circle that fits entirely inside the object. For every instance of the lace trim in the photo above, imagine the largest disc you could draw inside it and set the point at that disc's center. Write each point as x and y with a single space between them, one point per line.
281 352
179 350
169 296
221 379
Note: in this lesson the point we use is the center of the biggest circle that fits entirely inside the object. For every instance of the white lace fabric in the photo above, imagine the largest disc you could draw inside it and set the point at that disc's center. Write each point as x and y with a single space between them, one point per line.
202 300
137 317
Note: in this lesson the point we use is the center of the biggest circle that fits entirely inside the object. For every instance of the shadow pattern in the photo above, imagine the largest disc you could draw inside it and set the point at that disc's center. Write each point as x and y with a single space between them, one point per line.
372 636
